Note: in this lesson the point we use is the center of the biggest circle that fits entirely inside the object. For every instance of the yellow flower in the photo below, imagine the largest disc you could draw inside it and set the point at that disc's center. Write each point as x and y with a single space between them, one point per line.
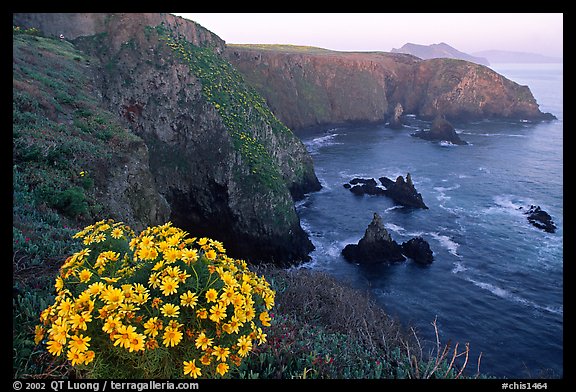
77 357
55 347
211 254
38 334
171 337
265 319
221 353
124 335
191 369
189 299
79 343
261 336
211 295
84 275
83 253
203 342
217 312
110 280
152 326
222 368
79 320
117 233
269 301
59 330
154 280
206 359
59 284
202 313
233 325
244 345
228 295
146 241
112 295
170 310
190 255
96 287
136 342
111 325
168 286
171 255
89 356
64 308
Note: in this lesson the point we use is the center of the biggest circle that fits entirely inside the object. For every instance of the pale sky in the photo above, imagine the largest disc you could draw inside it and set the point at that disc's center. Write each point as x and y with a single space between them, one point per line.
540 33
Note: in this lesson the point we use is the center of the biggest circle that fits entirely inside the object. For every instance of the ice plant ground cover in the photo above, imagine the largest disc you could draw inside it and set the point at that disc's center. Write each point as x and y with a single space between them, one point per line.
156 305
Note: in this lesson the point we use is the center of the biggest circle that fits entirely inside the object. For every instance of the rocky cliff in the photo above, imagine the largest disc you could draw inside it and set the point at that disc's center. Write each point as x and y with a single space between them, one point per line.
310 86
226 166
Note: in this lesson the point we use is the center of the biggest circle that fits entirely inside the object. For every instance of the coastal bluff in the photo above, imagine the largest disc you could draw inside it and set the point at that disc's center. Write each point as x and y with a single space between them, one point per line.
307 86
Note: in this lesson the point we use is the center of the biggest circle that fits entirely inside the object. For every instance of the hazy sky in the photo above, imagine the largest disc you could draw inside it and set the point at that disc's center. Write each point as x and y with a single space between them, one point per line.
468 32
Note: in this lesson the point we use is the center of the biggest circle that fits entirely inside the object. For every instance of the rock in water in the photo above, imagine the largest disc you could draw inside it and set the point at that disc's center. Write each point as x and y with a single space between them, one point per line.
418 250
396 121
540 219
403 191
441 130
375 247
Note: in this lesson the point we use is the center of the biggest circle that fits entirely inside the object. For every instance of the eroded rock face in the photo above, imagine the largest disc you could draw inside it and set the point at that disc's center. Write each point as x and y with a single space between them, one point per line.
309 86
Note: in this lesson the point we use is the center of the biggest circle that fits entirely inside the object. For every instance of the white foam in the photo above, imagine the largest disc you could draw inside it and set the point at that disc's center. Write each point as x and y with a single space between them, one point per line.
505 294
459 267
395 228
447 243
446 143
317 143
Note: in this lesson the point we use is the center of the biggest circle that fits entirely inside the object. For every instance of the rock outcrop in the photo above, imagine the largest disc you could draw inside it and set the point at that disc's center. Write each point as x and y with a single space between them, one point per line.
307 87
227 167
540 219
375 247
418 250
403 191
440 131
396 120
364 186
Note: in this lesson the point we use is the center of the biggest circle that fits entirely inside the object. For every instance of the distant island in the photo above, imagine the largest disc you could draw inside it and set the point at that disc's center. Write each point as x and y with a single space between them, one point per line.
506 56
441 50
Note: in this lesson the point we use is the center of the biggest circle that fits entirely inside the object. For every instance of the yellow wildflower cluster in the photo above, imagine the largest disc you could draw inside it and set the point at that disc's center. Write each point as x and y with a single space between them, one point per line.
158 289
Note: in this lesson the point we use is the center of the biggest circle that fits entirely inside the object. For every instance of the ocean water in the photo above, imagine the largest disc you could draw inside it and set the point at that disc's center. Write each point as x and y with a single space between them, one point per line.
496 281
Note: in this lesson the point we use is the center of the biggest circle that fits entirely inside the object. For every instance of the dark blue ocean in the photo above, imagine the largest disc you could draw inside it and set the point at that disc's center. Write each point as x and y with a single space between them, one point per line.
496 281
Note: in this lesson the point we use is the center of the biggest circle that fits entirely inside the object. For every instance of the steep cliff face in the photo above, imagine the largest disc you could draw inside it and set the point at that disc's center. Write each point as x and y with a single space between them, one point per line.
461 90
226 166
309 86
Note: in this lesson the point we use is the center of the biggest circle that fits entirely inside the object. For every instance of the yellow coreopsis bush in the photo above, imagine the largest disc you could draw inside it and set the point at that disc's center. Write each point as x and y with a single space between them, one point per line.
155 305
